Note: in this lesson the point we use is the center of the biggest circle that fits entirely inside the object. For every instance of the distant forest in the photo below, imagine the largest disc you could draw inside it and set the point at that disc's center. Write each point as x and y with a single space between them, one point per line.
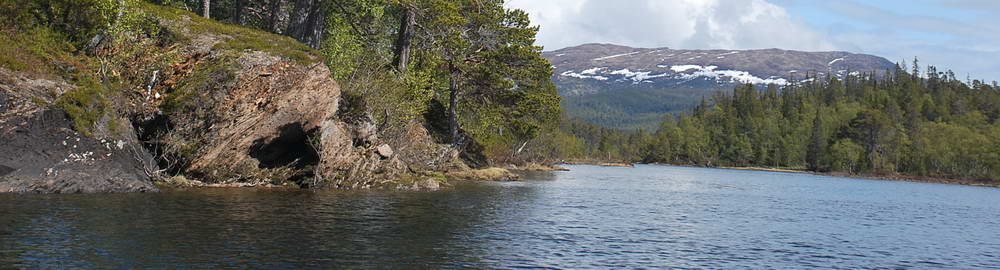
897 122
632 108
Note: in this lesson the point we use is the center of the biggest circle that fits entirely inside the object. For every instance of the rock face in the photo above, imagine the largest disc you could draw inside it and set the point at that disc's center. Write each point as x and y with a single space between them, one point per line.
40 152
284 126
258 117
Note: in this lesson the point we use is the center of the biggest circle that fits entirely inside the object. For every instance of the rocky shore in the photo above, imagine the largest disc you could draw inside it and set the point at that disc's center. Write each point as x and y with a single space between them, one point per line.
41 152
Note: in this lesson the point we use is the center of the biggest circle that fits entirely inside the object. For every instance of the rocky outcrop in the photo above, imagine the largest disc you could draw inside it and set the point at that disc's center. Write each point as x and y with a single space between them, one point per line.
268 120
260 117
219 104
41 153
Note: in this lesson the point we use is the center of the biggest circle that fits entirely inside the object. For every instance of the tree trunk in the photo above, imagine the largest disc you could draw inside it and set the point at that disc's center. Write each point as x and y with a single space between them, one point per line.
206 8
308 22
275 18
405 36
298 18
237 16
453 104
519 149
317 26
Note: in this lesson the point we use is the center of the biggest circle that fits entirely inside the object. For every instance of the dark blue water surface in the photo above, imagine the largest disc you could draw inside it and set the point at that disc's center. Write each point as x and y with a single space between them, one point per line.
590 217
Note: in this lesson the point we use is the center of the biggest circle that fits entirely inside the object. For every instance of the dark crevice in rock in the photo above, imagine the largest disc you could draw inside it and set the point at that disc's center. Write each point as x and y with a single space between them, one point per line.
436 119
4 170
292 148
359 142
151 134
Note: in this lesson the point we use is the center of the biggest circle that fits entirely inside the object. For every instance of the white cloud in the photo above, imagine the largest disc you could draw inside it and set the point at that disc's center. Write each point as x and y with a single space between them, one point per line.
945 34
951 34
697 24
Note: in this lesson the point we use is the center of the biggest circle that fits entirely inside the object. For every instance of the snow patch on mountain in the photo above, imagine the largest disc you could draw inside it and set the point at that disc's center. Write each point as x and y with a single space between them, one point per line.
835 61
733 76
582 76
683 68
592 71
680 72
637 76
614 56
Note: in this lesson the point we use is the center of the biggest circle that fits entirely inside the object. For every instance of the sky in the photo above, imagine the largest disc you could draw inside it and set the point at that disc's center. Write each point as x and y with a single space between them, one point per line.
960 35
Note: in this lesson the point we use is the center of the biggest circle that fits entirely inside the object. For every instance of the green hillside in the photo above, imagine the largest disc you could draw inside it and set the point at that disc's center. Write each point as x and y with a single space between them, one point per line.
632 109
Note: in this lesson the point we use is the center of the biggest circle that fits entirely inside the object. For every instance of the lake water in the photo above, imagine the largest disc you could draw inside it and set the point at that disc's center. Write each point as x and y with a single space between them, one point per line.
591 217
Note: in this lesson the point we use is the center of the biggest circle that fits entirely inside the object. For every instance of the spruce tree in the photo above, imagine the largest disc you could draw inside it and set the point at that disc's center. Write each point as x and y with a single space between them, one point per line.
816 144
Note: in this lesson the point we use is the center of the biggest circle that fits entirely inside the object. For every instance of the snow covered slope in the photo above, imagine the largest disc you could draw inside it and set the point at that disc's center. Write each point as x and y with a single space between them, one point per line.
595 68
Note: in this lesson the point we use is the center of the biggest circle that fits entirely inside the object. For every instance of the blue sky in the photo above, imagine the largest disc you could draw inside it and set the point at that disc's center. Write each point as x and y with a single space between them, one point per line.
961 35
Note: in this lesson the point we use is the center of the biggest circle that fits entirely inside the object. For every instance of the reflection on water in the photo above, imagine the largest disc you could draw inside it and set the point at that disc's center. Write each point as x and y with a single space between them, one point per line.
591 217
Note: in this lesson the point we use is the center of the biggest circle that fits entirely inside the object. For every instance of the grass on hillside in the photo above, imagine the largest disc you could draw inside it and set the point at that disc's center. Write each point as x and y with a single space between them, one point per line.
40 52
189 25
43 53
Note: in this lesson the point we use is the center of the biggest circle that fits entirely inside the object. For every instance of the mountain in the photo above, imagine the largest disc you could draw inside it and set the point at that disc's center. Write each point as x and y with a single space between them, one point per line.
628 88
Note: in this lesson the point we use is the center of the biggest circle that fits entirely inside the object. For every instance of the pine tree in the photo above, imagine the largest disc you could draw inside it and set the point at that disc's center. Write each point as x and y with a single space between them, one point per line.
816 144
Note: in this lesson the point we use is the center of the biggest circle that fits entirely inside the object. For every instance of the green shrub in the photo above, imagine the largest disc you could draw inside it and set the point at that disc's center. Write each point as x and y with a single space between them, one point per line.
85 105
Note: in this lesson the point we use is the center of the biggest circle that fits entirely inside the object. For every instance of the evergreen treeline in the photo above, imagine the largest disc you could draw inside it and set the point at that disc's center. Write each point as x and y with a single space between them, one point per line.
887 122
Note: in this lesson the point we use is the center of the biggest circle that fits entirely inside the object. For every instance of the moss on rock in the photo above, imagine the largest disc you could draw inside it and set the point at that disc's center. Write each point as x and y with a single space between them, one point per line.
85 105
190 26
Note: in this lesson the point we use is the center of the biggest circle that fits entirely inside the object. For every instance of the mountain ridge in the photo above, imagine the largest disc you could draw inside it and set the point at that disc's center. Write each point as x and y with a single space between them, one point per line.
608 64
592 77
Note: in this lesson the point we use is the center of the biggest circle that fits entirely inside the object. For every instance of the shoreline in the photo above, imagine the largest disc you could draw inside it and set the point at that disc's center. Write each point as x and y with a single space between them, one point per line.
599 163
426 181
535 167
892 177
882 177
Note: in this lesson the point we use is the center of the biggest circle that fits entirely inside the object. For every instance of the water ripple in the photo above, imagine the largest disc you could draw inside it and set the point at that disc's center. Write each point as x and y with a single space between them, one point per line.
648 217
